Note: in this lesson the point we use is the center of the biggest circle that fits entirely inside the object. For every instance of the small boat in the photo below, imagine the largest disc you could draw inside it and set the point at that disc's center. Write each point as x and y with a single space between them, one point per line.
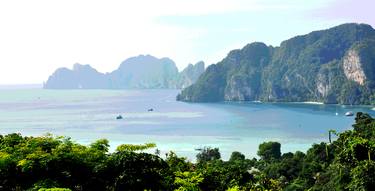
336 114
150 109
119 117
349 113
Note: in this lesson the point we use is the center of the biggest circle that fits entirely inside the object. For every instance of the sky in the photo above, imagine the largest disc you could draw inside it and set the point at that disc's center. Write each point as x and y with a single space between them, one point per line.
39 36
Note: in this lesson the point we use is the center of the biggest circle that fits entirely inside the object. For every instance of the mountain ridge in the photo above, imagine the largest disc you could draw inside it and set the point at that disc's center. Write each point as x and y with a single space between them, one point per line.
139 72
334 65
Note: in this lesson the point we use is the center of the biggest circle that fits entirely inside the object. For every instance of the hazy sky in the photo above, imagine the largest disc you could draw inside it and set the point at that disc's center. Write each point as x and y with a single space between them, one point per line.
38 36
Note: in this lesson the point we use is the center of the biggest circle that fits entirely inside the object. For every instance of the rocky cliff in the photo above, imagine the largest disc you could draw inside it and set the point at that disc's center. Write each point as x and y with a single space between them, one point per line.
81 76
189 75
144 71
140 72
332 66
352 67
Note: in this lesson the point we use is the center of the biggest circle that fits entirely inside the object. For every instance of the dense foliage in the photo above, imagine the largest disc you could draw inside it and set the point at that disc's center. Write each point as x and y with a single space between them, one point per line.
303 68
59 164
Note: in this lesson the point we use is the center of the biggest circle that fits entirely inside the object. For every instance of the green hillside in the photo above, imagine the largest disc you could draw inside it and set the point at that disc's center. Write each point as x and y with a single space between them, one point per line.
331 66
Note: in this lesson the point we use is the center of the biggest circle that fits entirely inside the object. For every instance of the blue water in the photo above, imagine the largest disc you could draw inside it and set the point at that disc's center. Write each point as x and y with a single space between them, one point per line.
87 115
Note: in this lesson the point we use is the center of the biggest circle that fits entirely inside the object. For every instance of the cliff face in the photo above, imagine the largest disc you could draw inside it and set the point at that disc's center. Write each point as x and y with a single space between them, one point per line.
141 72
144 72
82 76
245 72
323 84
238 89
190 75
331 66
353 68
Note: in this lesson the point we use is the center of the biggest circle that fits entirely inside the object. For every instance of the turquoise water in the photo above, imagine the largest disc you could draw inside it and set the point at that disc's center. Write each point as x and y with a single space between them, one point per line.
87 115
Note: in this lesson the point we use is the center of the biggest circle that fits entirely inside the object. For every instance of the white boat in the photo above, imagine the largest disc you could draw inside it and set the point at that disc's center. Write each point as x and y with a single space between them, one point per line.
349 113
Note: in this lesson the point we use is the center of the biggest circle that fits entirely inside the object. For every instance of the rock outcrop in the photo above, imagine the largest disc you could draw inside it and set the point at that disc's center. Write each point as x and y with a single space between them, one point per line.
141 72
80 77
190 74
144 72
353 68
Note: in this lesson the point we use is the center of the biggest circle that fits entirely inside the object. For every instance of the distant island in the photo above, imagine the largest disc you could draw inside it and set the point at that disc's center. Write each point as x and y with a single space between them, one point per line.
140 72
330 66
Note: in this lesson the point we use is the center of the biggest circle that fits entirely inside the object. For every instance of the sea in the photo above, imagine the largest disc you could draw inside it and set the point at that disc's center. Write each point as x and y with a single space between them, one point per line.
184 128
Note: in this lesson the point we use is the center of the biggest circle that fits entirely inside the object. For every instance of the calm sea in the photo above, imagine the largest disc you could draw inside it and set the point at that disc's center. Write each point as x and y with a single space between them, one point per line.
87 115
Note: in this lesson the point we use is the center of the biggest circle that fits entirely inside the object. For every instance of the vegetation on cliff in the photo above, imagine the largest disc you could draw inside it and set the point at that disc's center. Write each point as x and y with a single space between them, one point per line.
332 66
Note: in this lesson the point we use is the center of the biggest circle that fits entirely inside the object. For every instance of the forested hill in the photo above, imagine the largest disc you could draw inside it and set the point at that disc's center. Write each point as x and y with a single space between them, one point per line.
331 66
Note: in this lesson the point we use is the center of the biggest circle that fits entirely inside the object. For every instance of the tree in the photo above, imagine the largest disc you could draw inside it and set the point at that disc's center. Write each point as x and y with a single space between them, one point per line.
363 176
177 164
188 181
100 145
208 154
236 156
127 170
269 151
132 148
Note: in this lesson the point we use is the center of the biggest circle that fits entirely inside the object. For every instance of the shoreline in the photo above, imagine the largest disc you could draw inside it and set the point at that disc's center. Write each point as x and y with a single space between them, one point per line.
286 102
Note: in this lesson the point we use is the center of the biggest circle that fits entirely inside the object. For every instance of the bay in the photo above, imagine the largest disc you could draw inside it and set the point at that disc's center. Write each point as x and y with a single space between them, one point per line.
88 115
